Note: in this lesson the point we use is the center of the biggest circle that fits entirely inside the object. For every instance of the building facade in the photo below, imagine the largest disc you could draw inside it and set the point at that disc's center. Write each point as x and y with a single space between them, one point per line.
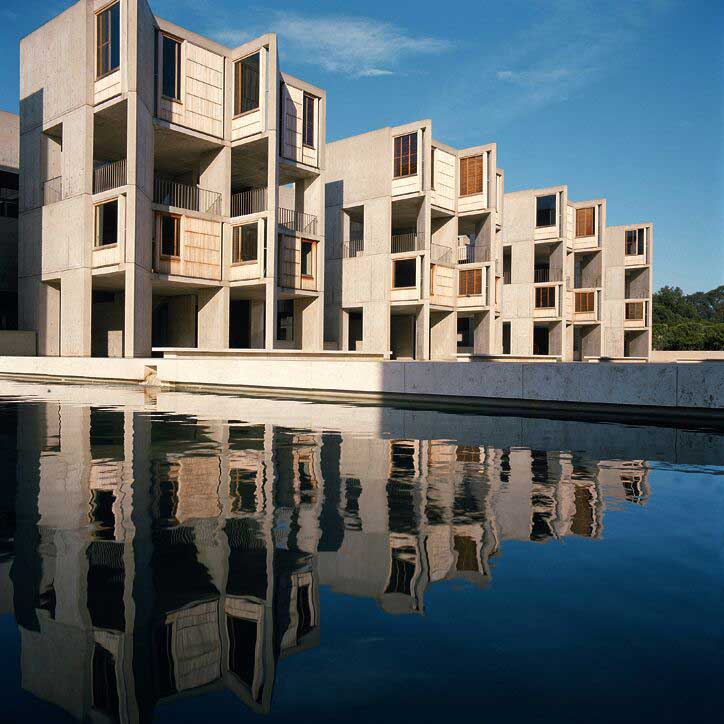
171 192
179 194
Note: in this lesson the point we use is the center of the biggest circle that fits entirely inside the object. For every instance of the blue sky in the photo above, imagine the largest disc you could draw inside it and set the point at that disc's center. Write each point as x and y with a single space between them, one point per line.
623 100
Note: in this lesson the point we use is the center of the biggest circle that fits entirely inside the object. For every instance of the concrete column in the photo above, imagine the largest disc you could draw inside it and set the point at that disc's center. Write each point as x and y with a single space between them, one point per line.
422 333
271 314
213 318
138 305
75 312
257 322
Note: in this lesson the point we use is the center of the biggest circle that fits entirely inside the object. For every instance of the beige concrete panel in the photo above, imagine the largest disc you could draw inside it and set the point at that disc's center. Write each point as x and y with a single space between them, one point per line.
213 318
138 301
75 313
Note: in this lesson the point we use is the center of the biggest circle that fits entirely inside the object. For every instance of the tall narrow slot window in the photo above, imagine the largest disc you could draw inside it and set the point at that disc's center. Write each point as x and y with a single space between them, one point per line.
108 40
170 235
308 121
635 242
545 210
246 84
308 248
584 221
470 283
107 223
405 155
471 175
171 76
244 244
506 337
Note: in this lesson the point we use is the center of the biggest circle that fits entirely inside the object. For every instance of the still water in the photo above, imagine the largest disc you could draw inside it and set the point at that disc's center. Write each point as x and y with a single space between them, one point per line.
177 557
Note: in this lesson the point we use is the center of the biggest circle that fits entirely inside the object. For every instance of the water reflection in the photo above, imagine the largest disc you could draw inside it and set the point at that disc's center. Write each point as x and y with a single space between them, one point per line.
153 550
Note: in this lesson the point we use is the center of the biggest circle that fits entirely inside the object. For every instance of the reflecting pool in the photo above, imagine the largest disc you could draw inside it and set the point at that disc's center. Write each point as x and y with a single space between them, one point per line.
170 556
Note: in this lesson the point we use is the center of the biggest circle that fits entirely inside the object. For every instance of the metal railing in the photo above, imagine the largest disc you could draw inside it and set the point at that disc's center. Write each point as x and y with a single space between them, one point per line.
440 254
353 248
402 243
544 275
109 176
251 201
52 190
184 196
297 221
473 254
588 283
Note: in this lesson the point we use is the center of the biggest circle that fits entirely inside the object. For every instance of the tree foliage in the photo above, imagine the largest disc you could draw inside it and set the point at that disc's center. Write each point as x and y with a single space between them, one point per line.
688 321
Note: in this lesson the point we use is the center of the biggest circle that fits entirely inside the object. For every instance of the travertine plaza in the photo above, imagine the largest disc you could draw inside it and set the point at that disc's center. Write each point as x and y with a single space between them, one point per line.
177 194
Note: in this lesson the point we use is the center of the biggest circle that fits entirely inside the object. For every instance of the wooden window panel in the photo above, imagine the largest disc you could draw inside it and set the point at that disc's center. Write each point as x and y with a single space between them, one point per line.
545 297
585 221
471 175
247 77
635 311
245 244
585 302
405 156
108 40
308 121
470 282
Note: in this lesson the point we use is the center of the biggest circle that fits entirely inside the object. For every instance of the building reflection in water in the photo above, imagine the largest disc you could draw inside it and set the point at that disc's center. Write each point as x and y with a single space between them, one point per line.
155 554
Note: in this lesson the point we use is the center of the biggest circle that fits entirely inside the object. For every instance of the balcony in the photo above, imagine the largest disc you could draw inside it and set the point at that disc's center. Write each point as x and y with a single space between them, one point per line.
297 221
353 248
52 190
473 254
441 254
109 176
184 196
406 243
636 313
546 275
587 282
251 201
585 308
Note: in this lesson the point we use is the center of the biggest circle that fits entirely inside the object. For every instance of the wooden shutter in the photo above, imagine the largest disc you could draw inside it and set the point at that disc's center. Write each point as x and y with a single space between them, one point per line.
470 282
584 221
471 175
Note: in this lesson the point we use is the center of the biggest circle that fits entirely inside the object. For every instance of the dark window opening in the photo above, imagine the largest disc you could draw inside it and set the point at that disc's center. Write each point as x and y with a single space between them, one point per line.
545 210
304 611
541 339
107 223
105 685
246 84
307 268
108 40
285 320
170 241
242 648
244 244
635 245
171 76
405 273
308 121
506 337
465 333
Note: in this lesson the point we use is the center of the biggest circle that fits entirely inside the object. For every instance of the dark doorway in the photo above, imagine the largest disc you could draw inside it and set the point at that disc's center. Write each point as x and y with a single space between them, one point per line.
355 332
541 337
240 324
402 336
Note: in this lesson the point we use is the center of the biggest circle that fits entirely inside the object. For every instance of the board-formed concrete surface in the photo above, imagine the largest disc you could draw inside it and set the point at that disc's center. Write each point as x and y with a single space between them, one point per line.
693 386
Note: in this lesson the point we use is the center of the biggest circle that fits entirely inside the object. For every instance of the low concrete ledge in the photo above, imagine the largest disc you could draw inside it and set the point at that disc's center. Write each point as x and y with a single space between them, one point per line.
77 368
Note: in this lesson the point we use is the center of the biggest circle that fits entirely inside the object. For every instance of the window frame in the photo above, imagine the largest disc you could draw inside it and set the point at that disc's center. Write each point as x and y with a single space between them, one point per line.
408 156
238 97
160 215
554 196
466 175
589 307
238 244
313 258
592 210
547 291
179 64
99 14
395 262
638 304
97 212
468 289
308 120
639 241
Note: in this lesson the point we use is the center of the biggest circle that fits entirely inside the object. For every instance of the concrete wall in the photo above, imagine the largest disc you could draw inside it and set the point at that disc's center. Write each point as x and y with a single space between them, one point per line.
17 344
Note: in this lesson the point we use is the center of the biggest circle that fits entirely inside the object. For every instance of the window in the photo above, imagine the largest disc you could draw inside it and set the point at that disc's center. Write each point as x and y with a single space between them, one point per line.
465 332
507 264
635 242
405 273
506 337
635 311
244 243
545 297
308 121
171 77
285 320
308 248
405 155
584 221
108 40
246 85
170 235
107 223
471 175
545 210
9 194
470 282
585 301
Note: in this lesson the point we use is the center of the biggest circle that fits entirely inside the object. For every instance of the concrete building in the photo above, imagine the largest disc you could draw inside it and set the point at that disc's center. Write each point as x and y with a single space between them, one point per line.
413 235
171 193
9 184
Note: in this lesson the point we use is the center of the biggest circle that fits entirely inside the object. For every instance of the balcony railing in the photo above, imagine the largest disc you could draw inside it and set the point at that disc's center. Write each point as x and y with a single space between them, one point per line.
544 275
588 283
473 254
403 243
52 190
251 201
353 248
109 176
440 254
184 196
297 221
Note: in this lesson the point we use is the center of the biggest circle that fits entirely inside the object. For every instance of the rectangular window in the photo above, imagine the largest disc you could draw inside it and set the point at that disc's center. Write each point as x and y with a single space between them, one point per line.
107 223
470 283
245 243
545 210
545 297
108 40
171 75
285 320
465 332
507 264
584 221
9 193
635 311
405 273
405 155
471 175
506 337
246 84
635 242
308 248
308 121
585 301
170 235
